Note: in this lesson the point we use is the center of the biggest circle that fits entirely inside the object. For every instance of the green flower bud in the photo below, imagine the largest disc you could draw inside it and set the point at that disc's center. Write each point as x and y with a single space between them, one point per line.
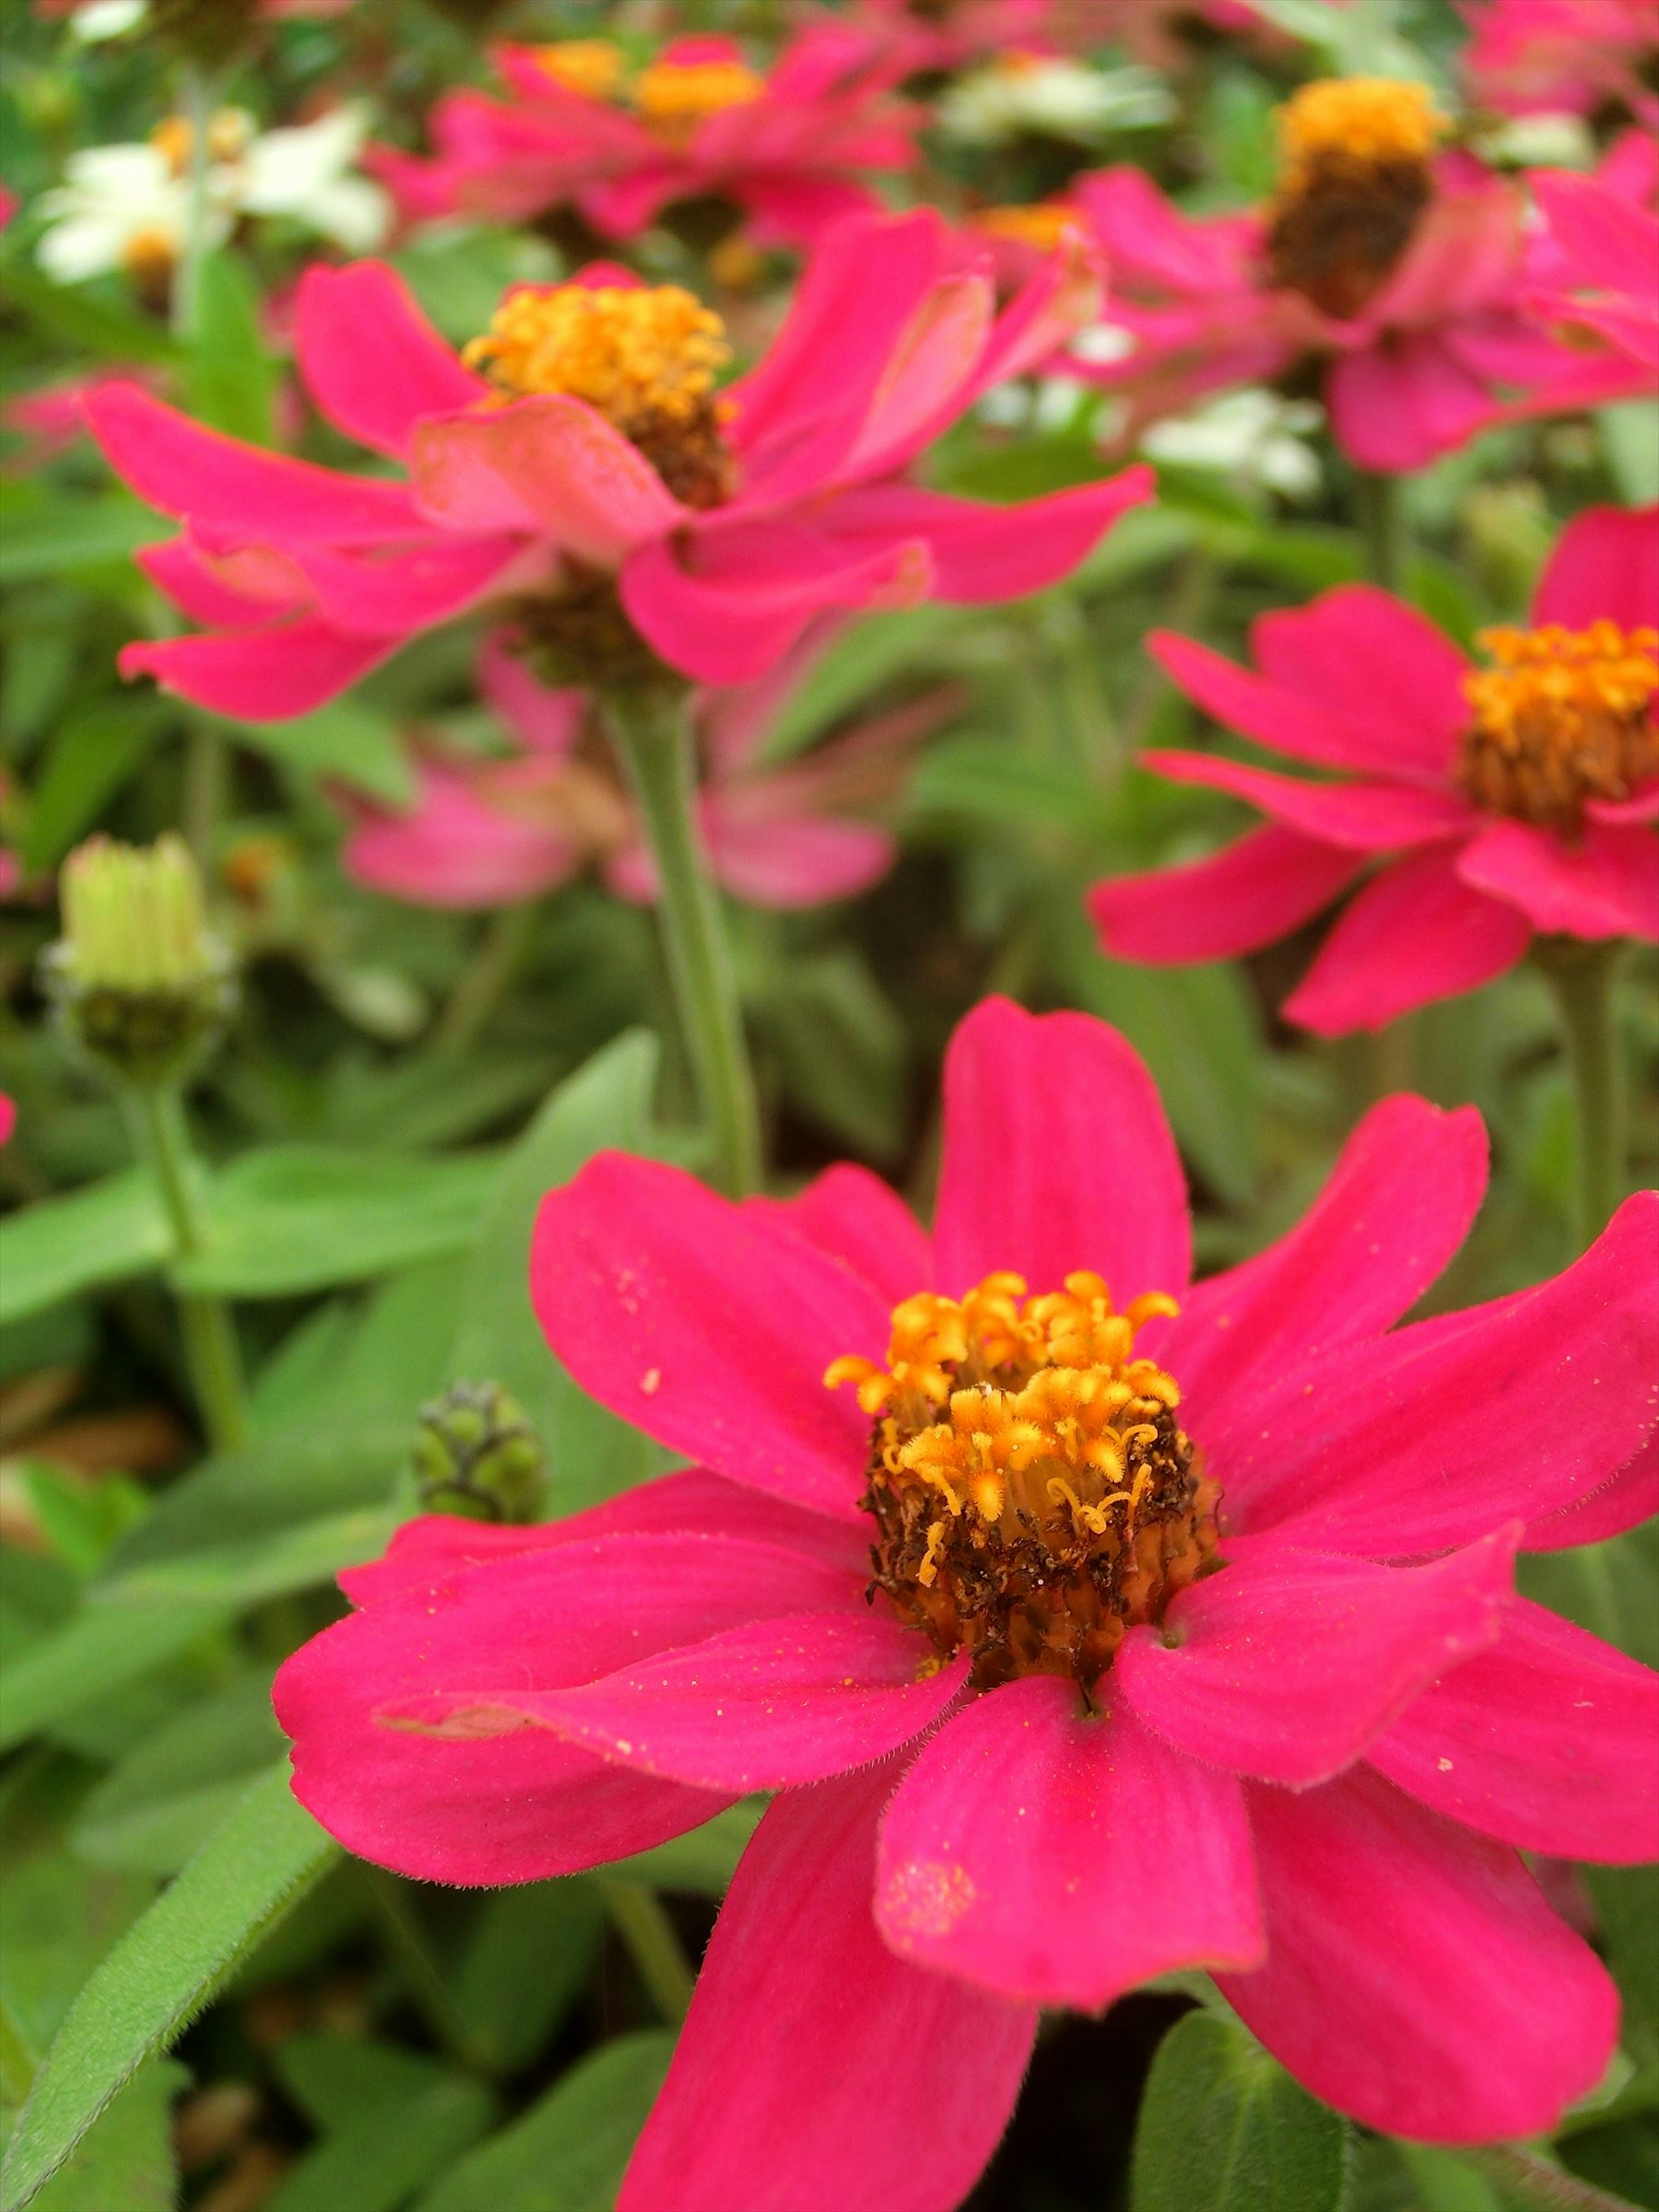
136 980
477 1455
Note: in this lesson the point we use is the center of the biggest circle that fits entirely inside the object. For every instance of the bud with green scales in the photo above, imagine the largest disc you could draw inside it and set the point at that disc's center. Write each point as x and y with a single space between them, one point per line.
137 980
477 1455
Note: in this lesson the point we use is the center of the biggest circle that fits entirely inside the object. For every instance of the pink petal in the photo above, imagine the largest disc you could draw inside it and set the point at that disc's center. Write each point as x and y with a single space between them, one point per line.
396 593
706 1327
1414 933
370 359
930 365
858 1219
1382 671
1057 1156
752 591
1062 1858
1627 1499
522 1806
544 721
767 1706
1416 1978
1605 568
548 464
812 2055
1267 883
454 849
784 861
1606 884
1398 406
983 553
260 675
1364 817
185 470
1610 244
1447 1429
197 589
1398 1205
1287 1664
1545 1741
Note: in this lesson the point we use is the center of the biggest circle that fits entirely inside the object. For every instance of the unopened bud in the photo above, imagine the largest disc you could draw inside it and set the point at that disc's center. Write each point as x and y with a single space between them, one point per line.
477 1455
138 981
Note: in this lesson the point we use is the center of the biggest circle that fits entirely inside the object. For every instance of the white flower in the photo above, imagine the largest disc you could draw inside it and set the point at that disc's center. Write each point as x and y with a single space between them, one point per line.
1253 435
118 207
1027 95
106 19
305 173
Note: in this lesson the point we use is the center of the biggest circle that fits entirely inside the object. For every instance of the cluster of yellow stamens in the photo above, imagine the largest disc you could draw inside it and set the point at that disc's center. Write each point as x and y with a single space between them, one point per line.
1043 225
229 132
593 68
1355 176
1032 1489
1563 716
672 97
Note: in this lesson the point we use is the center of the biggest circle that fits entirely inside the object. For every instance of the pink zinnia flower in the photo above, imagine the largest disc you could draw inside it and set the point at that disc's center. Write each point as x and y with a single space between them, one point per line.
485 832
1531 57
592 489
1515 794
1609 246
1086 1633
790 147
1405 272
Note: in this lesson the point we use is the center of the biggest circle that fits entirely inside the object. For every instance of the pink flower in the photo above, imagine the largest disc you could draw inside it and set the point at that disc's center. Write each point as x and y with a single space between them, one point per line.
592 489
487 833
51 417
1407 274
1609 244
1514 795
1528 57
792 148
1060 1751
919 39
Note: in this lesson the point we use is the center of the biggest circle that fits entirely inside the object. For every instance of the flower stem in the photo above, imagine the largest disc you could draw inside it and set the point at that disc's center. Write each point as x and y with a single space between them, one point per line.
652 734
637 1915
1380 505
486 976
212 1354
1584 976
195 104
1526 2179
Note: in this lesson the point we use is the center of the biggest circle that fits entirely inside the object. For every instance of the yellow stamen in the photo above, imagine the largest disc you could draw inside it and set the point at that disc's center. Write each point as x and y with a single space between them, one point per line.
672 97
643 356
1044 226
594 68
229 131
1564 716
1355 119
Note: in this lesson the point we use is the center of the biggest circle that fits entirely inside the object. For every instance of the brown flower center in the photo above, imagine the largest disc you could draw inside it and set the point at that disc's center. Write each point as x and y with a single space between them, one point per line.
1033 1494
1355 176
646 356
1562 716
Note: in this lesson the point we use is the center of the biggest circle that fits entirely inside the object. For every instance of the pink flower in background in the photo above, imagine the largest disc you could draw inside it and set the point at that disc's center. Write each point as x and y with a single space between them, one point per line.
594 489
488 833
793 147
1192 1641
52 417
1501 801
1531 57
919 38
1609 248
1406 273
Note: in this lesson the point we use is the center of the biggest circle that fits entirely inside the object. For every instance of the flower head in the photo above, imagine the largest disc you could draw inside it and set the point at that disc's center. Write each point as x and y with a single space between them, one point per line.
1502 798
1090 1624
593 491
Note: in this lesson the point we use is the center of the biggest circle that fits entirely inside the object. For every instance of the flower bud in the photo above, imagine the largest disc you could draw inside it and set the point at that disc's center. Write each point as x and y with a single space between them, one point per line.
477 1455
137 980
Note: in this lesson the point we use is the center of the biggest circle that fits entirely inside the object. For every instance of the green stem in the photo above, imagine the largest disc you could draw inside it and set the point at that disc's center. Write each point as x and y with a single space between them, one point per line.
654 735
1380 508
206 759
637 1915
486 976
426 1985
211 1351
1584 977
195 104
1528 2180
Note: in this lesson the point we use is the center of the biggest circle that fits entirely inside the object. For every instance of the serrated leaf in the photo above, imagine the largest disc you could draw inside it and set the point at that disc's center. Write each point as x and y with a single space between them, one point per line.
167 1966
568 2152
99 1235
1223 2125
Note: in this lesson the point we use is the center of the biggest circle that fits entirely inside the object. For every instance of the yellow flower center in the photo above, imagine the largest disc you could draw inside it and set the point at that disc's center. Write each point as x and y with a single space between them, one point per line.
594 68
1033 1493
1562 716
1043 225
672 97
645 357
1355 176
229 131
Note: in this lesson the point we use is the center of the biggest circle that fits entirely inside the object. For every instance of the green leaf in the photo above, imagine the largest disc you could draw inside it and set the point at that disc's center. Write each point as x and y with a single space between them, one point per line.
95 1651
230 381
704 1859
1224 2126
1612 1588
60 1918
65 536
154 1805
842 1046
94 753
528 1955
389 2120
125 2158
161 1973
88 324
99 1235
347 741
296 1218
569 2151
